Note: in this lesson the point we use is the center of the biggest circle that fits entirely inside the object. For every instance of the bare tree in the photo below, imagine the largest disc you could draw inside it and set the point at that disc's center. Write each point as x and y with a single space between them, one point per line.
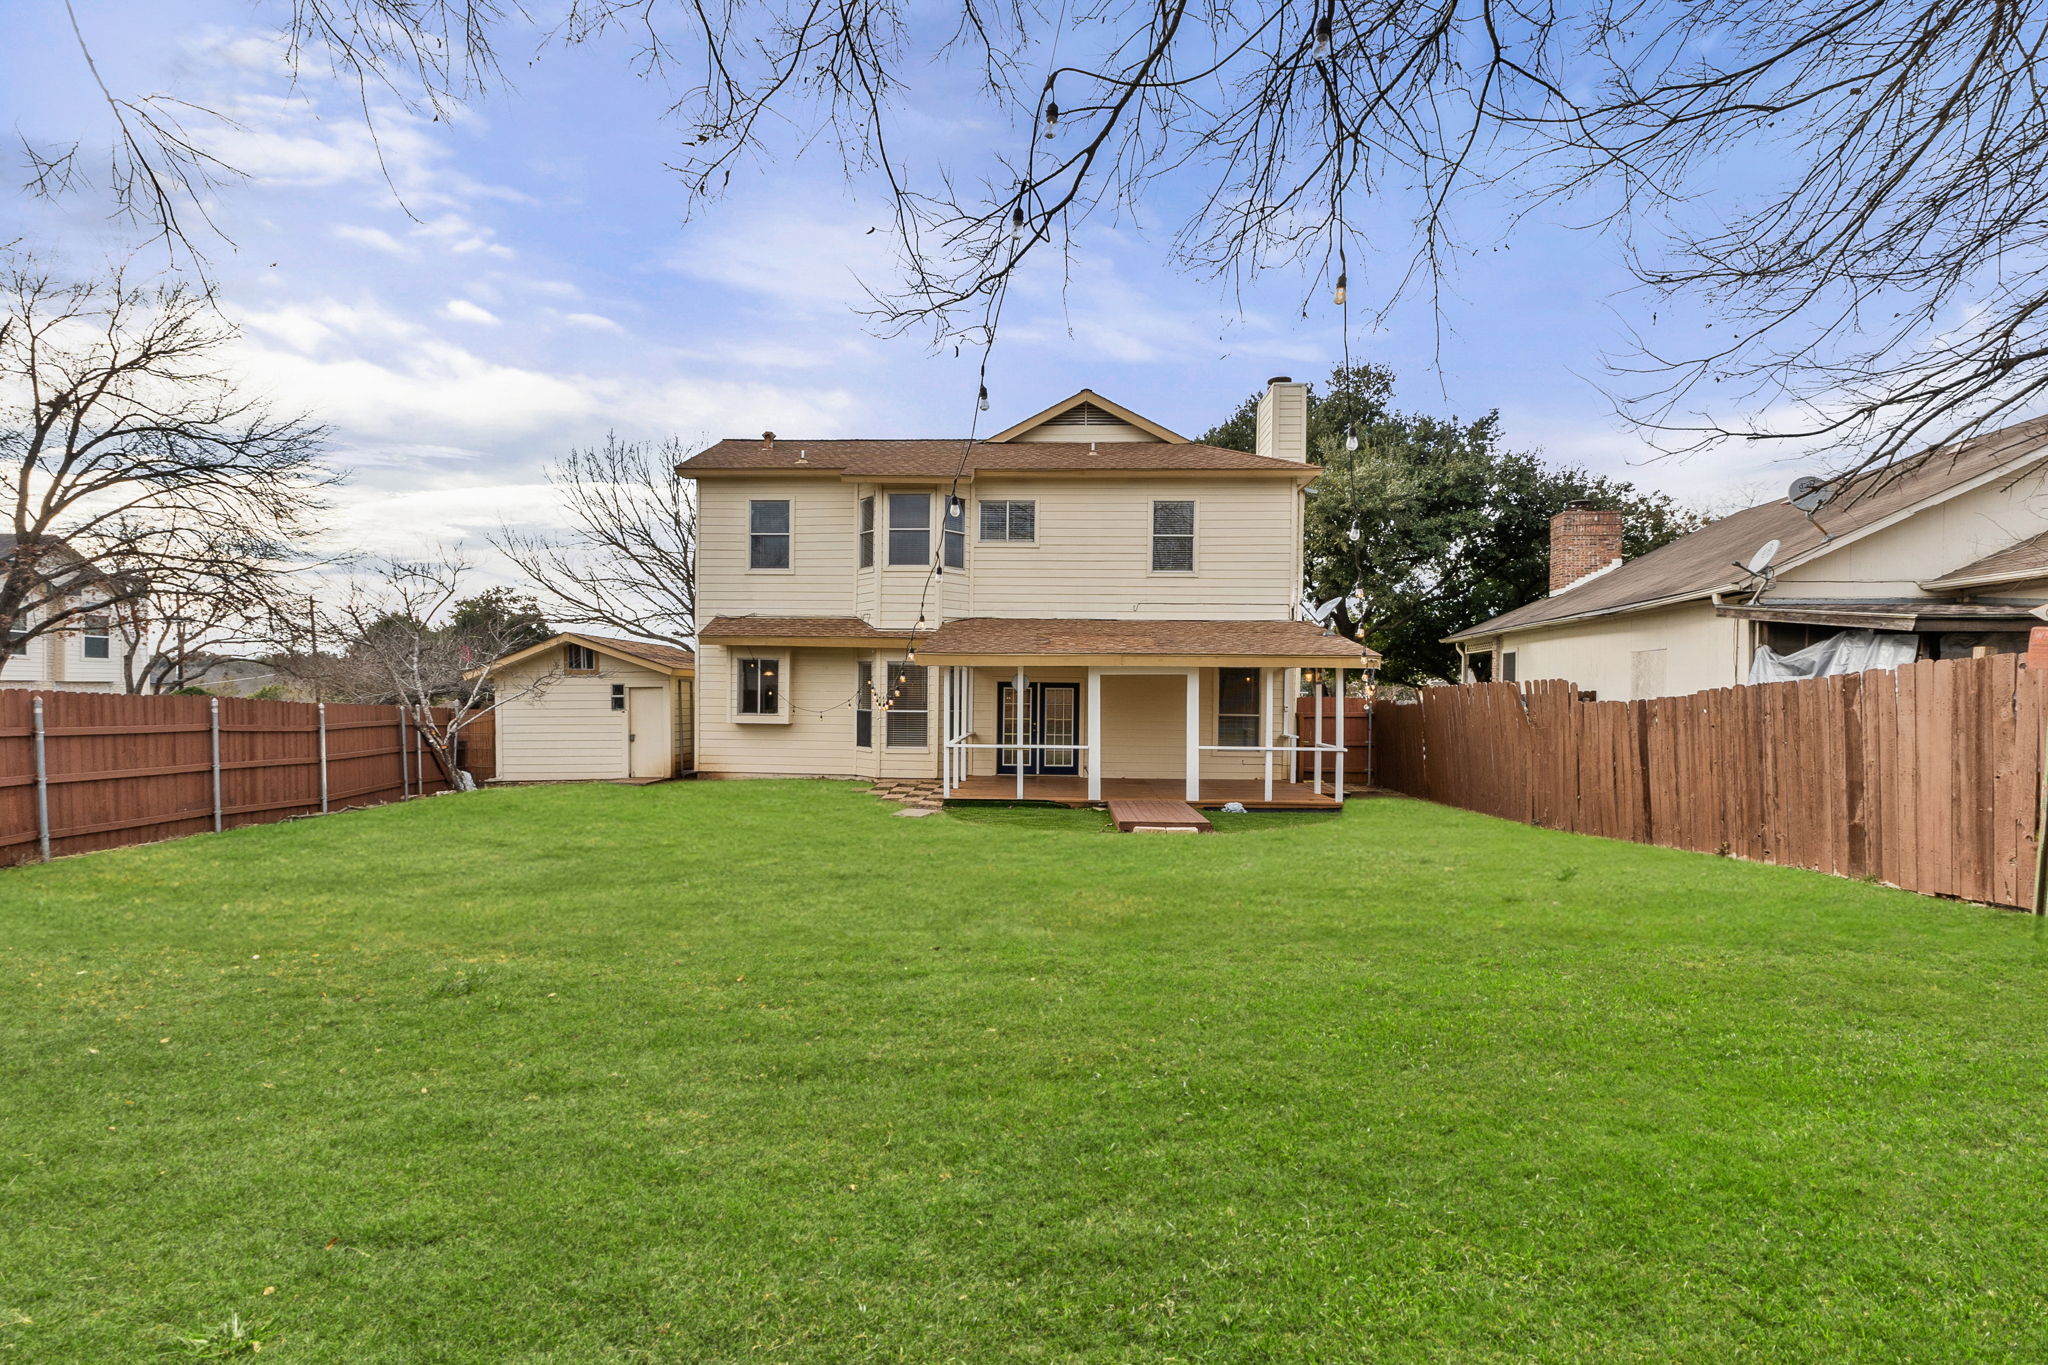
130 457
627 563
1877 285
225 601
395 640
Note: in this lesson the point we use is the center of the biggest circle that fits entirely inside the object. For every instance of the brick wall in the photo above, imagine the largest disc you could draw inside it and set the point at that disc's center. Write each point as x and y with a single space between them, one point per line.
1582 539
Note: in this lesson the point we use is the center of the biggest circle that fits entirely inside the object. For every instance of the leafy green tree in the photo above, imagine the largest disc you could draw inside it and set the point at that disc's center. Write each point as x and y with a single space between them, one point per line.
1431 525
506 617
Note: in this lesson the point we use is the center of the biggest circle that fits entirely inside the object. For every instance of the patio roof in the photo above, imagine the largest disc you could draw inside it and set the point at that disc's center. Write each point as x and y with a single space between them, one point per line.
1292 643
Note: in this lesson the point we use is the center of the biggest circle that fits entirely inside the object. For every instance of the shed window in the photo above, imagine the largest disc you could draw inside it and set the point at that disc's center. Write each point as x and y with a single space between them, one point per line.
579 659
93 638
909 706
768 533
864 705
760 687
910 528
1173 537
618 696
867 532
1507 666
1237 706
1009 519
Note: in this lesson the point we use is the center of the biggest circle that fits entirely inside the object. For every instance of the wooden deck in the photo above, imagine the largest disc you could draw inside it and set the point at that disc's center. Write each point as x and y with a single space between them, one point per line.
1073 791
1167 815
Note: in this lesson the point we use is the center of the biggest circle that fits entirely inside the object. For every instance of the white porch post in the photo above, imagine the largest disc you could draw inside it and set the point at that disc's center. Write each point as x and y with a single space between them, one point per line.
1094 734
1343 735
1194 773
1319 732
946 730
1271 681
1018 712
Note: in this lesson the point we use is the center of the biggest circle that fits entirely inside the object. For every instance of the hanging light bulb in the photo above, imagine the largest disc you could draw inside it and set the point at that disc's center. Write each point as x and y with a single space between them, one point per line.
1350 439
1338 297
956 507
1352 533
982 402
1323 36
1052 118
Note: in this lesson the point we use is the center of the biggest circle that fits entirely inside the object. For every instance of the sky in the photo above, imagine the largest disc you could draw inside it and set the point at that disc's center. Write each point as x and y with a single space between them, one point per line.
462 301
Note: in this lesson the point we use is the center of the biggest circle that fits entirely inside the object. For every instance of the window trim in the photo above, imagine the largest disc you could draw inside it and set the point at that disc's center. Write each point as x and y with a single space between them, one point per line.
1007 504
569 664
1257 714
781 714
788 535
1155 536
923 561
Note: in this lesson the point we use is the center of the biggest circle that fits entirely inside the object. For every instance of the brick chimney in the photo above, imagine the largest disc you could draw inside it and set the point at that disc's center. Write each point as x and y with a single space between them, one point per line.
1583 540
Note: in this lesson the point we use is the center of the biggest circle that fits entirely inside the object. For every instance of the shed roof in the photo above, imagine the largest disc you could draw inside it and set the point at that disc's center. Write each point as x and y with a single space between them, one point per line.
1704 562
671 659
2027 559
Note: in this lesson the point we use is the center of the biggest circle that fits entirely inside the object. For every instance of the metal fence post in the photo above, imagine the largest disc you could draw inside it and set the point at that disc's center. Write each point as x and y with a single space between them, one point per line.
213 710
42 787
404 771
323 757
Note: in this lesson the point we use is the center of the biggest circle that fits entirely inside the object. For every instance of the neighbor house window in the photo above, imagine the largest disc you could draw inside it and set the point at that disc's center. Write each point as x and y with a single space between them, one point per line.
1173 537
1237 706
909 706
864 705
768 533
618 696
1009 519
760 687
94 640
910 528
956 533
867 532
1507 666
579 659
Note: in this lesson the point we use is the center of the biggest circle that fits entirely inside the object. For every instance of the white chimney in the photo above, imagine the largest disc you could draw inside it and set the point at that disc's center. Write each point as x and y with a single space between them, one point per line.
1283 420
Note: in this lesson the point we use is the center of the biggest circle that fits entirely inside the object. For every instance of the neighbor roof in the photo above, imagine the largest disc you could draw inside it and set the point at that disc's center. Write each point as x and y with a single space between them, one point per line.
944 458
1703 562
2028 559
1223 639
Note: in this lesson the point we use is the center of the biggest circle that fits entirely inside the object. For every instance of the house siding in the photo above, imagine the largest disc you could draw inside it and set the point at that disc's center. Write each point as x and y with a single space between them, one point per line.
1700 650
566 731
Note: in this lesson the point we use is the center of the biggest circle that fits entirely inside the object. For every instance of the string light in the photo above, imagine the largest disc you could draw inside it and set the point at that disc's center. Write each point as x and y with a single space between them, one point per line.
1323 37
982 401
1338 297
1350 437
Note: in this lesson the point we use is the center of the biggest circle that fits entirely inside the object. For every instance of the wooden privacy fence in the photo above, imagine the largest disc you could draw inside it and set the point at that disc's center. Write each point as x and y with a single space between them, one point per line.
1926 778
1357 738
89 770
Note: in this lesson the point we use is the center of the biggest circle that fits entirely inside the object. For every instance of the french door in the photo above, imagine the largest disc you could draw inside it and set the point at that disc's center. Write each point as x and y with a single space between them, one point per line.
1051 715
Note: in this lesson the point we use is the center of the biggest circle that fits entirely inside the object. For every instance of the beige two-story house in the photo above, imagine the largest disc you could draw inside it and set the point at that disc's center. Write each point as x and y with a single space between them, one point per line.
1083 605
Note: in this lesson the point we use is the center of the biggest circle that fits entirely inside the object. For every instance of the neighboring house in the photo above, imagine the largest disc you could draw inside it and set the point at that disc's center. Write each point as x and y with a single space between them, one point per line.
82 656
582 707
1944 555
1118 603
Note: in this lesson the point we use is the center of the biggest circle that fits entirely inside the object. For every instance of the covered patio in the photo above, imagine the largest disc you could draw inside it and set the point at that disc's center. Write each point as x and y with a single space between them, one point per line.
1083 712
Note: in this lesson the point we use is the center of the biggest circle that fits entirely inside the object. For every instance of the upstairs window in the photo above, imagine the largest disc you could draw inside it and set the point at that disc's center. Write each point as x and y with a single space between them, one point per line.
768 533
760 687
910 528
93 638
867 532
1173 537
909 706
1009 519
956 533
579 658
1237 706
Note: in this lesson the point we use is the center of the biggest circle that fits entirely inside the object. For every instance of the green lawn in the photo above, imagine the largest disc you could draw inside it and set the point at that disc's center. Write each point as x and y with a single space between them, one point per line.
761 1072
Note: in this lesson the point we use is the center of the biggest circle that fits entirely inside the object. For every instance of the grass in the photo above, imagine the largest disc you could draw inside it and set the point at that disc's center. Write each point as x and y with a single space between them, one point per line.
761 1072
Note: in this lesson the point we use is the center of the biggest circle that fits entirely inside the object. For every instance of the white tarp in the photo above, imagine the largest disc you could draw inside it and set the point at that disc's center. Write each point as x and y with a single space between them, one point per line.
1848 651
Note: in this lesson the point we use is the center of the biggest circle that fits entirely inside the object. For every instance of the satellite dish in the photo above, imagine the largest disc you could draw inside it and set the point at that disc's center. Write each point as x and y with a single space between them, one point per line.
1761 560
1807 492
1322 614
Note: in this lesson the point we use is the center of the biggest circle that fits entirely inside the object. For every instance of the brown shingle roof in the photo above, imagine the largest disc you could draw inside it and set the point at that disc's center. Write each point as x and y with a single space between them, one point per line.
1701 563
1226 639
662 656
792 628
942 459
2028 559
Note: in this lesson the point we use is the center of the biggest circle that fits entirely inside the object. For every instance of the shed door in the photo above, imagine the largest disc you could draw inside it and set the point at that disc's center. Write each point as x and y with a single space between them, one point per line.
647 715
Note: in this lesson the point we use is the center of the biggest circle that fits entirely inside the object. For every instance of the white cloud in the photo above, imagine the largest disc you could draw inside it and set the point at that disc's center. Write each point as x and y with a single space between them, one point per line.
372 237
596 322
462 310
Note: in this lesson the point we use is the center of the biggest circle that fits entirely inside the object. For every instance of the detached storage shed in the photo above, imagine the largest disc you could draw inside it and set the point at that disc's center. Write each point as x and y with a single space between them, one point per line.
591 708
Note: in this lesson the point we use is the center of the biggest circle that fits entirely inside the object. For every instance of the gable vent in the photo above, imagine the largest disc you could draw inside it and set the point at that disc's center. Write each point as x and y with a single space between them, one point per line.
1084 415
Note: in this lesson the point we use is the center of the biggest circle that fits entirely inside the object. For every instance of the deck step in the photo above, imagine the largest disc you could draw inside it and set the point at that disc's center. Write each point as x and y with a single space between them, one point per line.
1152 815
